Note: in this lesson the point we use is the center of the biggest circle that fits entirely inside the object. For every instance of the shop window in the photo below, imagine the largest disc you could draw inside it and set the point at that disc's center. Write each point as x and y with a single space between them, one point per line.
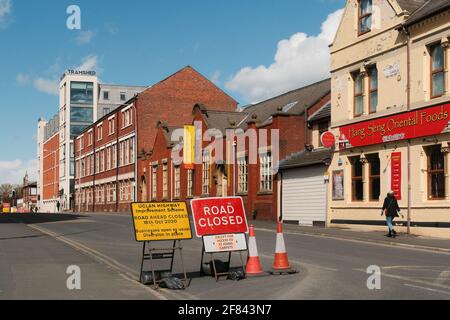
437 53
373 87
364 16
358 91
436 173
357 179
374 177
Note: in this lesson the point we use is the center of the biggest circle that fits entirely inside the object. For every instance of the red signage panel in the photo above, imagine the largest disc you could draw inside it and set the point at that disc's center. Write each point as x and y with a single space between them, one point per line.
409 125
396 174
328 140
216 216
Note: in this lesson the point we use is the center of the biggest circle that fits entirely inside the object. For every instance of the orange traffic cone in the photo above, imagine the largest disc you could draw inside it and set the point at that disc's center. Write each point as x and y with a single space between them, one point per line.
281 256
253 264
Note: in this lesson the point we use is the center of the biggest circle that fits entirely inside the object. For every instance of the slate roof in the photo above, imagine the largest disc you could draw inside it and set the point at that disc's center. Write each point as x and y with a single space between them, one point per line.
223 120
292 102
411 5
306 158
427 10
322 113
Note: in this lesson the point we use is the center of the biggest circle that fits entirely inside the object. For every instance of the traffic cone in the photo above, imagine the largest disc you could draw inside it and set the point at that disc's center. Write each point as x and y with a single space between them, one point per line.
253 263
281 256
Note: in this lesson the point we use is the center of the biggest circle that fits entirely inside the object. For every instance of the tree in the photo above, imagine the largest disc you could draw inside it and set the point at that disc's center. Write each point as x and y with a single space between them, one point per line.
6 191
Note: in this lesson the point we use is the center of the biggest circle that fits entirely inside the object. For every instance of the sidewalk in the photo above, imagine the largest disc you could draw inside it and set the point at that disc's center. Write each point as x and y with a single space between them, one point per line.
402 240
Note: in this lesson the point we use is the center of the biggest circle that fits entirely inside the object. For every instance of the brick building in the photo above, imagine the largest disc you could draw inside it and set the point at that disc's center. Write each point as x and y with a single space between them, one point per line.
254 158
116 149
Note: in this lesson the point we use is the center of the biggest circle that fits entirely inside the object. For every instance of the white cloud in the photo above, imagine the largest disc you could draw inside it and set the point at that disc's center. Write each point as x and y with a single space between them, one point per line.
23 79
5 9
14 171
299 60
215 78
49 85
85 37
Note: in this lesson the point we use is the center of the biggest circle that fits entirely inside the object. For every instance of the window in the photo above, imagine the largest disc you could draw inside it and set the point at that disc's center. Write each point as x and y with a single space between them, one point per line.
243 175
131 149
105 95
357 179
165 182
111 124
190 183
82 172
177 189
373 87
90 138
127 118
436 173
82 114
206 173
374 177
102 160
437 53
123 96
358 103
265 172
108 158
154 182
92 164
81 92
364 16
122 155
97 162
106 111
99 132
114 157
322 127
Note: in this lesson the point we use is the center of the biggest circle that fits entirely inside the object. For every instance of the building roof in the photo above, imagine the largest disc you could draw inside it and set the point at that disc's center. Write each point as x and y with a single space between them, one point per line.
322 113
167 131
427 10
411 5
290 103
306 158
222 120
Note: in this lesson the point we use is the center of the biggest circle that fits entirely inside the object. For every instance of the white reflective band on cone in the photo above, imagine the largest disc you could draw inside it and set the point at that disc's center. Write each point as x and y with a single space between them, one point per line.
280 247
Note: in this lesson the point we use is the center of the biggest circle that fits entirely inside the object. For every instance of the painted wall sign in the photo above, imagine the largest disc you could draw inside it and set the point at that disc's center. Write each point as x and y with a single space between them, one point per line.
409 125
225 243
216 216
328 140
392 70
396 174
161 221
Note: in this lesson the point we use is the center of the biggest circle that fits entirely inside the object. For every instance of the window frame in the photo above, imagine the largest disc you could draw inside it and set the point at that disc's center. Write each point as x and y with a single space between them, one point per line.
265 172
177 182
206 174
354 178
363 16
242 180
355 76
372 177
431 172
372 91
437 71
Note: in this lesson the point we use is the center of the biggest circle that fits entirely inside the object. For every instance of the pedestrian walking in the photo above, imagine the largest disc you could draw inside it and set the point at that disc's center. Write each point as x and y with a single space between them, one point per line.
391 210
58 206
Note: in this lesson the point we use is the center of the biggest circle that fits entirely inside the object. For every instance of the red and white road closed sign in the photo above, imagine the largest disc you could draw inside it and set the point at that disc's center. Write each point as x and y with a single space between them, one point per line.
216 216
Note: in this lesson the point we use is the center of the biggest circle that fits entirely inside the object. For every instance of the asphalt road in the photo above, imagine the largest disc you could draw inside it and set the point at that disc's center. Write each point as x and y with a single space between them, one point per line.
36 250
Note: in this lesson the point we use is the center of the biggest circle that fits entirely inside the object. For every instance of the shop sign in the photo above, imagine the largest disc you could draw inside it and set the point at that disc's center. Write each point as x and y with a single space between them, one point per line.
328 140
409 125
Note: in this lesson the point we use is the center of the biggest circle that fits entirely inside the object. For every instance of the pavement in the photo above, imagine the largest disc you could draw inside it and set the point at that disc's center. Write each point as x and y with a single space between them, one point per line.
332 263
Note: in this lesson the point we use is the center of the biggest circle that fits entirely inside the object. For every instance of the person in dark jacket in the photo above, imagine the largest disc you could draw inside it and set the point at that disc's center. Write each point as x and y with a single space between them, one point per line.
391 210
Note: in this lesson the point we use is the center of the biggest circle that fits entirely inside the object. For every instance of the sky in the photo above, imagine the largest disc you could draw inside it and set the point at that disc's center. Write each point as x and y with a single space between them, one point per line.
252 49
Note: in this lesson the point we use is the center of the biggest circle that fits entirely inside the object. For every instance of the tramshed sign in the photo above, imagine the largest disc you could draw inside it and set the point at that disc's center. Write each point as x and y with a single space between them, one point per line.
409 125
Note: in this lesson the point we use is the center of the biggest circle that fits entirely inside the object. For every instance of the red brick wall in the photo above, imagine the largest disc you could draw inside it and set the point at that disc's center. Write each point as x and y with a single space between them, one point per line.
51 169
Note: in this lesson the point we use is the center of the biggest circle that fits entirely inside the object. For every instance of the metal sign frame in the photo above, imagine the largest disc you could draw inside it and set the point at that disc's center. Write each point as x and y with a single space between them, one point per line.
151 254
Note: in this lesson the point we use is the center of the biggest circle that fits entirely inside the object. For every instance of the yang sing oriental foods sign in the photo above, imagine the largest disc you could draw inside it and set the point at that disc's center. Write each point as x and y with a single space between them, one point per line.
409 125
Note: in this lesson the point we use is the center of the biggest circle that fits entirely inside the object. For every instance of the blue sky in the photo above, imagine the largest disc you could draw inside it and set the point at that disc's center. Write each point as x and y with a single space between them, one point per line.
253 49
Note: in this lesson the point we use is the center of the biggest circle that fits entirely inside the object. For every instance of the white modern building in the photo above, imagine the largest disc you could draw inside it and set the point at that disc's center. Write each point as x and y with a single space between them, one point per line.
82 100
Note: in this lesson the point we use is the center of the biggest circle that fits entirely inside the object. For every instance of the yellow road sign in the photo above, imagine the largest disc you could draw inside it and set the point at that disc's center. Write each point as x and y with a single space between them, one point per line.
161 221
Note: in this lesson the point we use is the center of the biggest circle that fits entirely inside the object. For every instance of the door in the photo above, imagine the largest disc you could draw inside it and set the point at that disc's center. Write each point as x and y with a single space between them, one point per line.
304 195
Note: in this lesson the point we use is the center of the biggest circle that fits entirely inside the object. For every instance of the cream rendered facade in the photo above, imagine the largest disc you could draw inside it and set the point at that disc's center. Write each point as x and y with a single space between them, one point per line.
391 51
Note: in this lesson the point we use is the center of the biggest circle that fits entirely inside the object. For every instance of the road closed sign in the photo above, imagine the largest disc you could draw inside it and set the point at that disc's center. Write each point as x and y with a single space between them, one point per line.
216 216
161 221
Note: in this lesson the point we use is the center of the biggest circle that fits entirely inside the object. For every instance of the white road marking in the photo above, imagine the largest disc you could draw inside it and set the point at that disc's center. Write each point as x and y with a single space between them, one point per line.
428 289
396 245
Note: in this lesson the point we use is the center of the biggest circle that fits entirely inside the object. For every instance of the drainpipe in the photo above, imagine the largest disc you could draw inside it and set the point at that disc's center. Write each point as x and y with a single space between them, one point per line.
408 105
